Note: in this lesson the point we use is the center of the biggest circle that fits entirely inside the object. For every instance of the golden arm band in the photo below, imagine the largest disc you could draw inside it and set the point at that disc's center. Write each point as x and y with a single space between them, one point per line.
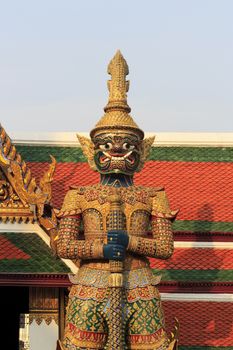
70 247
160 246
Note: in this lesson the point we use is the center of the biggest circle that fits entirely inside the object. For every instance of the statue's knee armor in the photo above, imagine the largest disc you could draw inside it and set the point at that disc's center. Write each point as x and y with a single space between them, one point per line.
145 328
85 325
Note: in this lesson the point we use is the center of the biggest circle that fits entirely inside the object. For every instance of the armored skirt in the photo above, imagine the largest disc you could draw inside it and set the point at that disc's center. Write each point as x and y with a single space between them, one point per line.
87 321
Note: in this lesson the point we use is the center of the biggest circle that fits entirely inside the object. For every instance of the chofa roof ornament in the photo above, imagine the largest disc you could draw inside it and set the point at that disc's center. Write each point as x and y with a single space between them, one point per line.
21 198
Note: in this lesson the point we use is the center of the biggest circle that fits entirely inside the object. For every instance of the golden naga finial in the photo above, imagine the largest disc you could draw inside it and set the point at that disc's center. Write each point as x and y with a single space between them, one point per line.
118 86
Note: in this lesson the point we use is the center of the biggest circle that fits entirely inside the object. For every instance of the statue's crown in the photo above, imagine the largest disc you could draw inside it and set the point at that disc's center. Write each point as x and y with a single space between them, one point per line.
117 110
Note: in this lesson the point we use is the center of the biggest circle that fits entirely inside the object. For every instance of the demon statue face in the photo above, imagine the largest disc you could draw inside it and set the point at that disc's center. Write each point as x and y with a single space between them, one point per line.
117 152
116 144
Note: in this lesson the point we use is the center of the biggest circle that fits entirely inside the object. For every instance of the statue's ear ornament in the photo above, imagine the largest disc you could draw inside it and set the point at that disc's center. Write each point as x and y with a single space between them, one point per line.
146 145
88 150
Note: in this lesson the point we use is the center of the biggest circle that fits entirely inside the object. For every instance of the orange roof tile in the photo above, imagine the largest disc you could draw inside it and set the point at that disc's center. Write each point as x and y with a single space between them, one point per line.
9 251
201 322
202 191
196 259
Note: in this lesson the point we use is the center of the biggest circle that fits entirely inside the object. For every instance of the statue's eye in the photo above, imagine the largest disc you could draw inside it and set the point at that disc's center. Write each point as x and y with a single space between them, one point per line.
106 146
127 146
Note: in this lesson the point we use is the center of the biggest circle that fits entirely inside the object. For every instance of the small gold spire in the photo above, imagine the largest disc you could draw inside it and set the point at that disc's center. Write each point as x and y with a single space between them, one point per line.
118 86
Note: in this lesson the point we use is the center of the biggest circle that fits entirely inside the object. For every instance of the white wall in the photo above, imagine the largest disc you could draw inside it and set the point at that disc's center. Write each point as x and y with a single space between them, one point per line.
43 336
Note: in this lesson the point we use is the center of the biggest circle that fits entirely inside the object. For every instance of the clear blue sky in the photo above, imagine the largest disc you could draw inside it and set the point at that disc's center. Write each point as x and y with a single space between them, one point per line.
54 56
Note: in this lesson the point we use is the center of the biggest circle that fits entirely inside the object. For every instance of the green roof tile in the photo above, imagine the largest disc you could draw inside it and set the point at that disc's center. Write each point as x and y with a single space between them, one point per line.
42 153
202 226
40 258
192 154
74 154
195 275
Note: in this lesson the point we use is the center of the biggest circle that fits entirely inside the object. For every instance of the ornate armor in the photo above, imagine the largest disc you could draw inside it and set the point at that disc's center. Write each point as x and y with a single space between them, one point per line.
116 150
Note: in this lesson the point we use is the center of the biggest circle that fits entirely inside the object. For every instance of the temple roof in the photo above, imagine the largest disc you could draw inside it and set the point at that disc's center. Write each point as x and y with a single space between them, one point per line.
197 281
22 252
204 325
198 180
202 269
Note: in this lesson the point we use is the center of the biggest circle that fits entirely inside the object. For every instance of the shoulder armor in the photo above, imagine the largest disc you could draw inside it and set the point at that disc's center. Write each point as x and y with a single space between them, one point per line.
90 193
154 190
71 203
138 194
161 207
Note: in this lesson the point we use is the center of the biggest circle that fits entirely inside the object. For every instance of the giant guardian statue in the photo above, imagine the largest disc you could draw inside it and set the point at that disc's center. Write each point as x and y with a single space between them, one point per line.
114 303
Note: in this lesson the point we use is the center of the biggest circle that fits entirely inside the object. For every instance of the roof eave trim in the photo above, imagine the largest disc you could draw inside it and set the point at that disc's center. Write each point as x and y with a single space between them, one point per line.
182 139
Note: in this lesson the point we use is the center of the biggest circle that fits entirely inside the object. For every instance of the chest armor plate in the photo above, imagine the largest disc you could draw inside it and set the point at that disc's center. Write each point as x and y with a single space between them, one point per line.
136 206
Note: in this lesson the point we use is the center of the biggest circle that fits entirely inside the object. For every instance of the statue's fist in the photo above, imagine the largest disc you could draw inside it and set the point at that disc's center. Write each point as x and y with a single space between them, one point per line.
118 237
114 252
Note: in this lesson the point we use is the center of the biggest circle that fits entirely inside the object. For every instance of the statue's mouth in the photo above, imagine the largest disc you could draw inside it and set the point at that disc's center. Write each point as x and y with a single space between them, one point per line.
112 162
116 157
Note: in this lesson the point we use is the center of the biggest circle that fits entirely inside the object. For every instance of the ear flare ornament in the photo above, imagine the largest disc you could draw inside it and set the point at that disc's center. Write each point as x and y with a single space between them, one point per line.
88 150
146 145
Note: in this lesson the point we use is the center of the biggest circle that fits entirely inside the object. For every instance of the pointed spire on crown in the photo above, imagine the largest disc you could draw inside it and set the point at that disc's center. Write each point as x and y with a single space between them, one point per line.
118 86
117 110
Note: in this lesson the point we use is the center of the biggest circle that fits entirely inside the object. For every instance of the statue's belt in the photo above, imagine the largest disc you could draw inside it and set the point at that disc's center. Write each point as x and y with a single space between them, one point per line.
100 278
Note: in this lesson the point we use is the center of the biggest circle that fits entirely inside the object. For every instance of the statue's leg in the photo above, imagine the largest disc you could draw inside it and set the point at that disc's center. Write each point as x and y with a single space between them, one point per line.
146 325
85 326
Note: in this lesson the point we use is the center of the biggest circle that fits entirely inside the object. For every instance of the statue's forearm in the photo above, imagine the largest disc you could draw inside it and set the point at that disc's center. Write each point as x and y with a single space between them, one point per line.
160 246
74 249
142 246
68 245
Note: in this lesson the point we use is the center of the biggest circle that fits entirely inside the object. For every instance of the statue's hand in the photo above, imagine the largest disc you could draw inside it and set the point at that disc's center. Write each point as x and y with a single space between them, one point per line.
118 237
114 252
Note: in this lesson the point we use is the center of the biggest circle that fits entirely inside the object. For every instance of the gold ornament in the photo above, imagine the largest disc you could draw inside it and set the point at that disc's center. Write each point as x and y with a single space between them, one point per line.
116 115
116 119
88 150
23 198
145 151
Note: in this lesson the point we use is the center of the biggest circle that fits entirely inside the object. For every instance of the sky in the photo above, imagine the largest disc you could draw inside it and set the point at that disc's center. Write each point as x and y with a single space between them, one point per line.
54 56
